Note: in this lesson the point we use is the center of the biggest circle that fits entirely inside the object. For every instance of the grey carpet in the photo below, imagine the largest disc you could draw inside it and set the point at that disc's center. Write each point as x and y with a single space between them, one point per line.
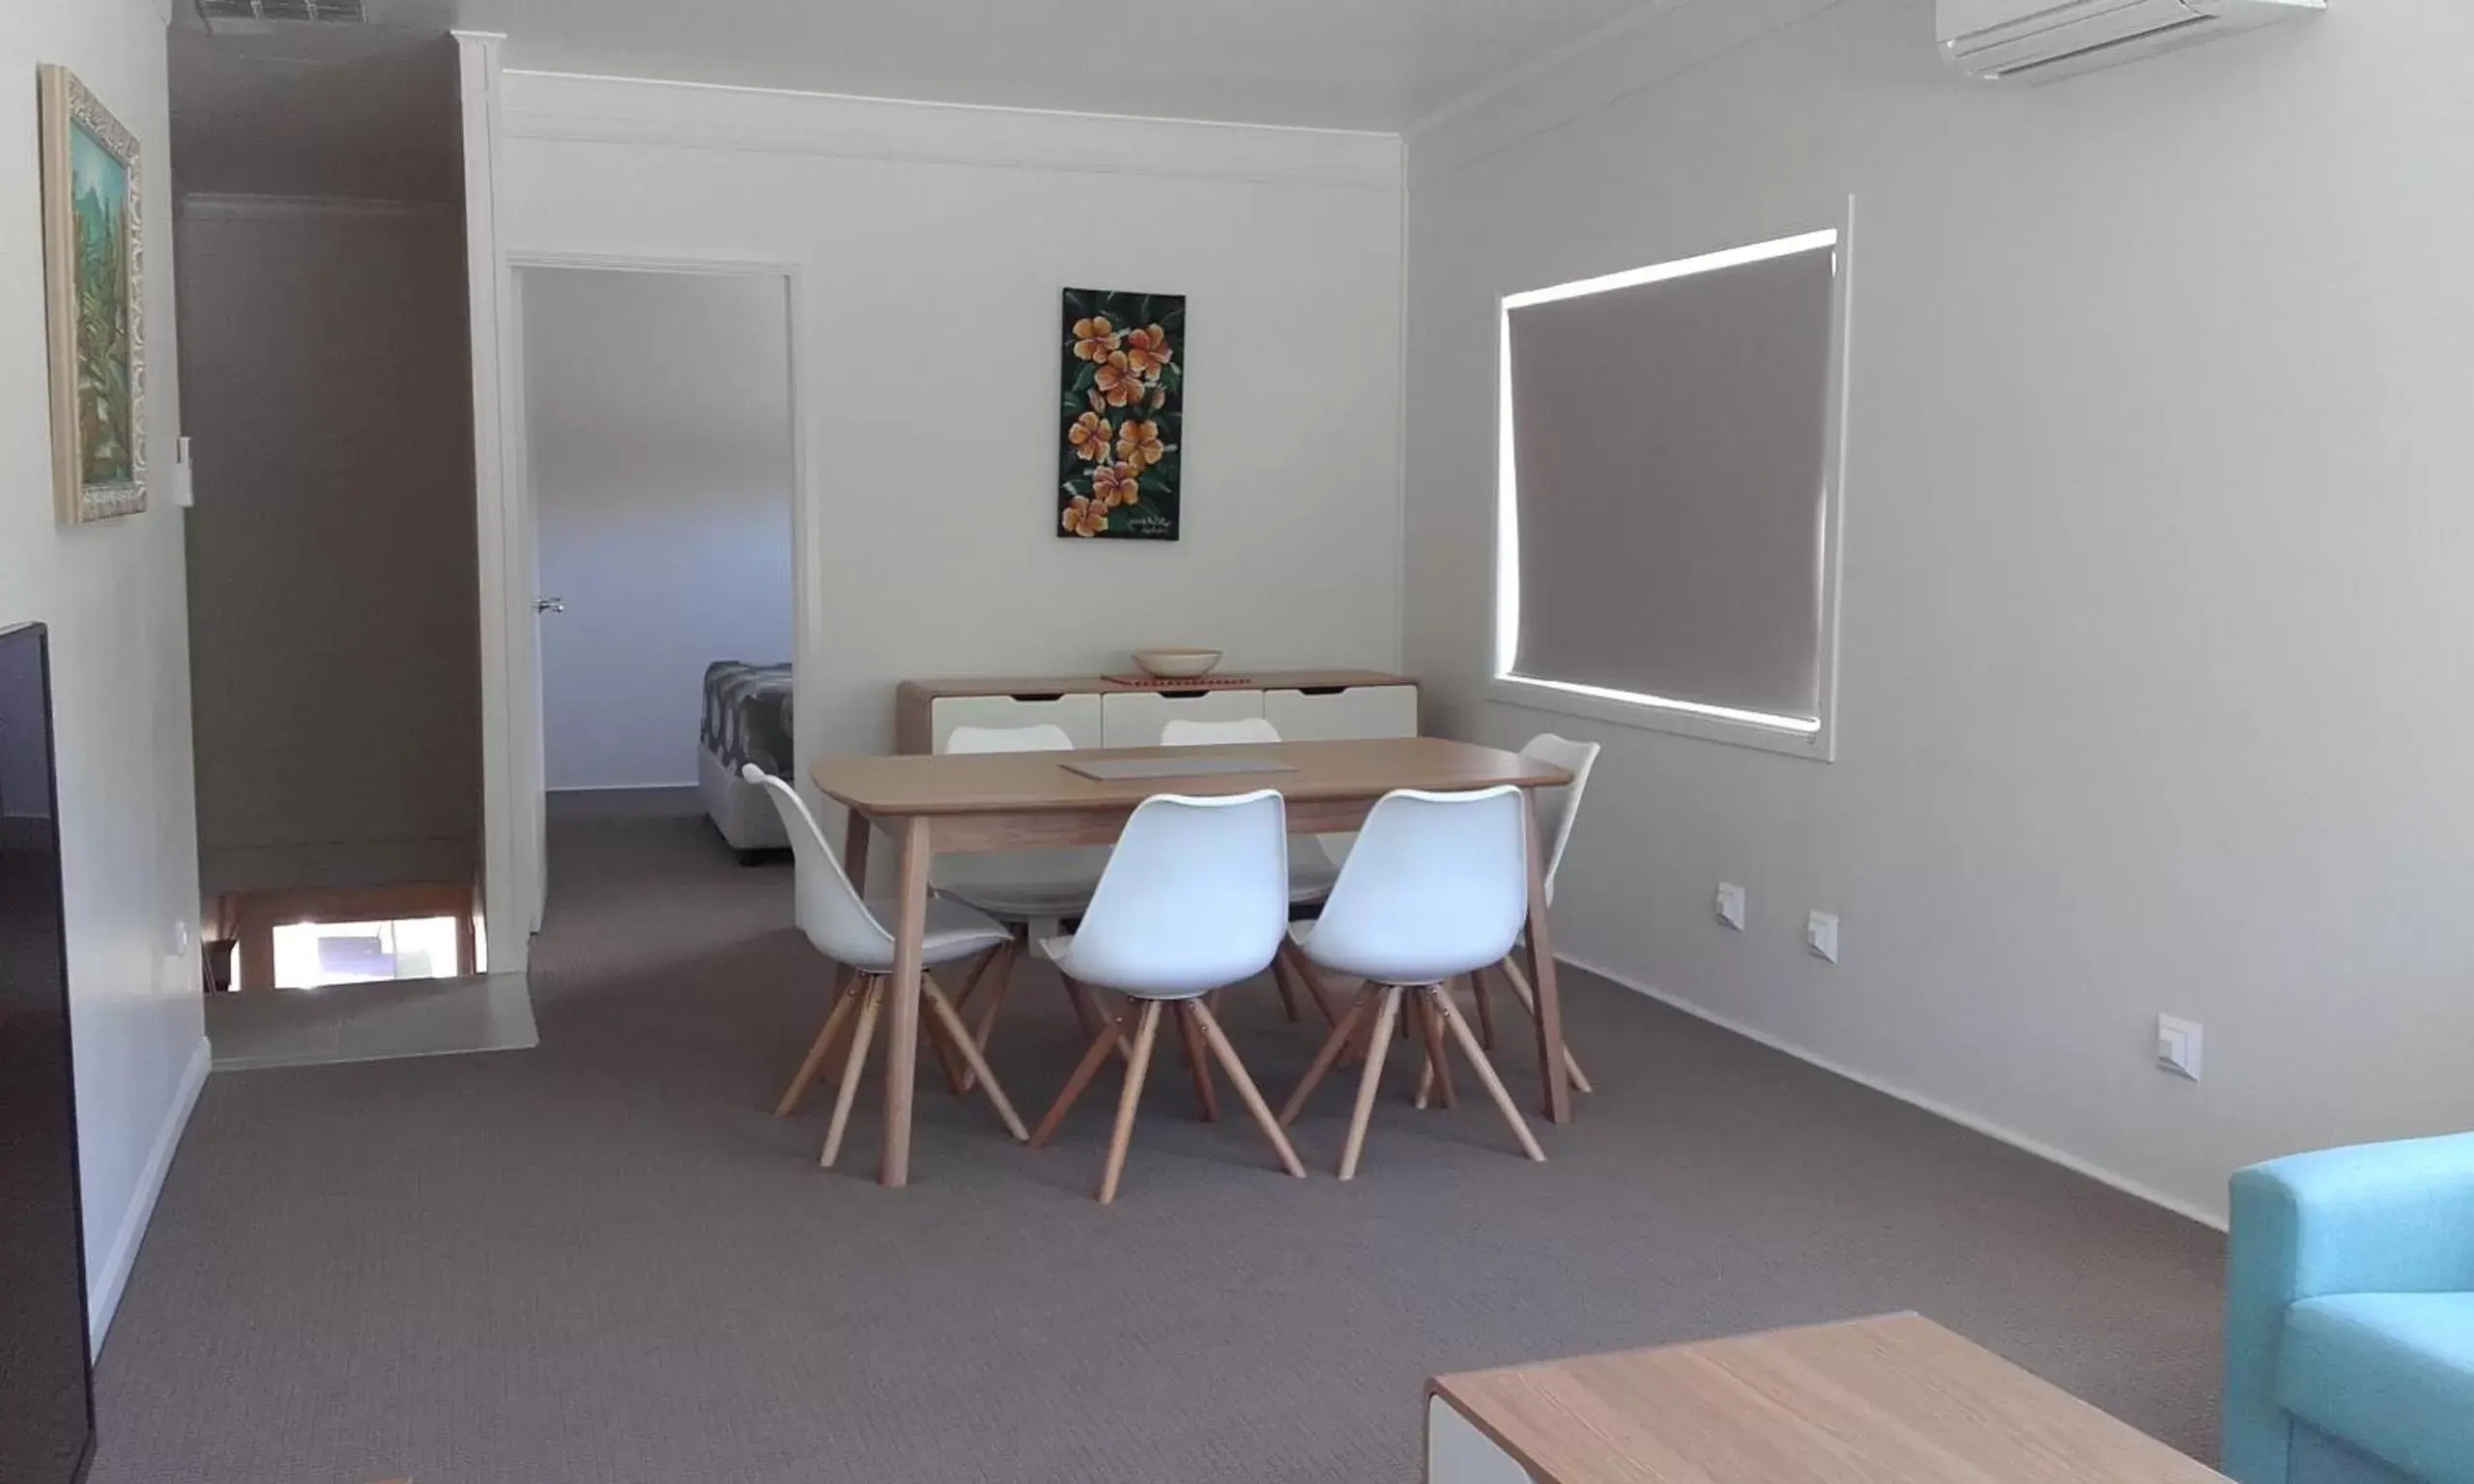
602 1262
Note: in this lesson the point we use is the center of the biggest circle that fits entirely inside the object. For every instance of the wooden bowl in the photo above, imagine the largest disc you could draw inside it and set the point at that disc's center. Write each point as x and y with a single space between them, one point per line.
1176 663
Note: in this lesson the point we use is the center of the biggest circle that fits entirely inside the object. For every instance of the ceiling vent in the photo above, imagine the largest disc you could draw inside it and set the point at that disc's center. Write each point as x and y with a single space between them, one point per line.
212 12
2037 41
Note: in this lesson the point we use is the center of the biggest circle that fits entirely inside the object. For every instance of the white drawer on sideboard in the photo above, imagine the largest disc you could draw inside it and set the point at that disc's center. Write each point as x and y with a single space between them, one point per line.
1135 718
1458 1453
1079 714
1344 712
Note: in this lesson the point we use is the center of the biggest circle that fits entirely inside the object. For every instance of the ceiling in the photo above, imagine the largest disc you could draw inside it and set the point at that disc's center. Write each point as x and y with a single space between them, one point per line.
1337 64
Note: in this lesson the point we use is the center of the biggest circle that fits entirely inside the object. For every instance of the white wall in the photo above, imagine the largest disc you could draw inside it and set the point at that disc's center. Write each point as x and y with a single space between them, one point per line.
331 606
113 596
931 245
659 412
2157 626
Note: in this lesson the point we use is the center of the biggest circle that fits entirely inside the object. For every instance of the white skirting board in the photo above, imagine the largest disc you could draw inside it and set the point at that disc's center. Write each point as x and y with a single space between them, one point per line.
103 1285
1939 1109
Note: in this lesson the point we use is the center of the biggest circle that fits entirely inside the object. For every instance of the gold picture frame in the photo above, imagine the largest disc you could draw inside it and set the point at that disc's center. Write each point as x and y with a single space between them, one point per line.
94 257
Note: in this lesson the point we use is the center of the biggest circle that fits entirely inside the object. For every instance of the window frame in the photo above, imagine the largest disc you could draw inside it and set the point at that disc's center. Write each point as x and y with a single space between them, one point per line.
1652 713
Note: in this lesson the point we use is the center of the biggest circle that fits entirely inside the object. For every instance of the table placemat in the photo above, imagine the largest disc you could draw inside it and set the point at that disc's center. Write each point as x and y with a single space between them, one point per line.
1183 682
1110 770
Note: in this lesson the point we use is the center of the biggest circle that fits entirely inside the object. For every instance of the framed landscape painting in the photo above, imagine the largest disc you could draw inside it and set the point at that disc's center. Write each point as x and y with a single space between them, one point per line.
94 291
1123 415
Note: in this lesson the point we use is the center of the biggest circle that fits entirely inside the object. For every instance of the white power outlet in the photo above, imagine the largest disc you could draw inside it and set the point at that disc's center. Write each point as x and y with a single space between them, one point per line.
2177 1047
1731 905
1821 935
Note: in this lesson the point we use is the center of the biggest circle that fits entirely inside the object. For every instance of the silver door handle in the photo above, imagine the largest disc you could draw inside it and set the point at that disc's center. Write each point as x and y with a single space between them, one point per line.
549 604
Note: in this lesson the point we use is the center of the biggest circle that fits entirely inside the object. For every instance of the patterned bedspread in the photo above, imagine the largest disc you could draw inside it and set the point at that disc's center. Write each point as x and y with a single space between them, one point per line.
747 715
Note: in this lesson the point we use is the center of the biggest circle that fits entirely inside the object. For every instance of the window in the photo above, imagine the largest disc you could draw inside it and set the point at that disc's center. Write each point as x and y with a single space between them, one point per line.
310 937
1668 502
310 956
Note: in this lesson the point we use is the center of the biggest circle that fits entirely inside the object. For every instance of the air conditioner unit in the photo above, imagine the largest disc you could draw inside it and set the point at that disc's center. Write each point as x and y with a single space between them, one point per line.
2036 41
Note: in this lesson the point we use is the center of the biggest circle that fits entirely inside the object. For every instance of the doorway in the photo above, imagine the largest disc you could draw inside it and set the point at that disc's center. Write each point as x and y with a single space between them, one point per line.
659 471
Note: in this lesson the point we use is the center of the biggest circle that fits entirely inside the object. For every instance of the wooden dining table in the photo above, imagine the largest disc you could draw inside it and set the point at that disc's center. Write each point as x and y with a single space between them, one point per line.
1009 801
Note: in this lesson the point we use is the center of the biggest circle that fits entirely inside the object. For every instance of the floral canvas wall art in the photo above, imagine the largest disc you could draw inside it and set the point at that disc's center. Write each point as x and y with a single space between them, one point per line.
93 281
1121 469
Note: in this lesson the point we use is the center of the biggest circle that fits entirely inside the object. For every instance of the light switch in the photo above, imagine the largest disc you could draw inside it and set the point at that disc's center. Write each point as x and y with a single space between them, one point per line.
1731 905
2177 1047
1821 935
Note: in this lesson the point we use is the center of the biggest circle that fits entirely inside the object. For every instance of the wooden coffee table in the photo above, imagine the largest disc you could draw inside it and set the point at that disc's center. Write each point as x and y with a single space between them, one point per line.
1892 1398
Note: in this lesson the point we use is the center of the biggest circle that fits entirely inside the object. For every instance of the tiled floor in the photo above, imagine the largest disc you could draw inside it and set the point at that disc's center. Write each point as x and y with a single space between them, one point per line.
370 1023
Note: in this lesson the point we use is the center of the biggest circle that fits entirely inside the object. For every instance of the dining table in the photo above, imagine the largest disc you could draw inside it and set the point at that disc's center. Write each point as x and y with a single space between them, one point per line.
980 802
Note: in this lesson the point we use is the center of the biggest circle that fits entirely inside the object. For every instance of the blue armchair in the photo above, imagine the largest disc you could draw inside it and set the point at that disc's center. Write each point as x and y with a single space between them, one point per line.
2349 1317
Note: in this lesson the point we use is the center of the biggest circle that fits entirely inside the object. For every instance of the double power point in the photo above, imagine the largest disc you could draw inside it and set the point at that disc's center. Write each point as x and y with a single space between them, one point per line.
1821 928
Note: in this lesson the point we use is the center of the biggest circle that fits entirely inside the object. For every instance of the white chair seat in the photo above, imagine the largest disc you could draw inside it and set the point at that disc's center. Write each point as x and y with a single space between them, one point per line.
1023 900
1194 899
1311 875
955 930
1437 886
852 931
1019 886
1311 869
1059 950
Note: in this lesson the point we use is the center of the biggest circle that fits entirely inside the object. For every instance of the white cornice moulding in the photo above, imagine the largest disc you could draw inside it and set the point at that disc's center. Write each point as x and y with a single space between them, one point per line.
702 116
206 206
1624 58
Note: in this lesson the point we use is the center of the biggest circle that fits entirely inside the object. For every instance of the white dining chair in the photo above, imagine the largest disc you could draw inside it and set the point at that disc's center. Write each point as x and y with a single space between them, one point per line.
1311 871
1194 899
1022 889
1437 886
851 930
1554 810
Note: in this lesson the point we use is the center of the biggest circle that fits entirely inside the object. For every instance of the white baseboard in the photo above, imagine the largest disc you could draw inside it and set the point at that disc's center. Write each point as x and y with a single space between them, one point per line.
1939 1109
103 1286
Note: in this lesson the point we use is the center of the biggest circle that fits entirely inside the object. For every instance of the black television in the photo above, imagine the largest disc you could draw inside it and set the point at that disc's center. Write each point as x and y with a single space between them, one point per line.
47 1384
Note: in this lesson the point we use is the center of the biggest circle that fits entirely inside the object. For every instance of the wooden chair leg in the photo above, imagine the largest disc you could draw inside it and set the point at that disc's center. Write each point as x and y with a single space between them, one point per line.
1079 995
1434 1073
1084 1071
1528 998
1482 995
1246 1092
939 1045
1089 1011
975 973
1343 1032
942 1012
1190 1035
1299 967
1001 977
857 1062
1414 1012
1378 1047
1288 995
845 999
972 979
1146 1030
1485 1071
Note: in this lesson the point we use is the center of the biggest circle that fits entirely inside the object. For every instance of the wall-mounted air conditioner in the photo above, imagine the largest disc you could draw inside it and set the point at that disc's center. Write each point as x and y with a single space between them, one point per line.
2036 41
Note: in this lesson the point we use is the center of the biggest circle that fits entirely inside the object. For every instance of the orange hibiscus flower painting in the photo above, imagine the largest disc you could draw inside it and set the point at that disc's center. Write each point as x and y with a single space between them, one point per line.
1120 464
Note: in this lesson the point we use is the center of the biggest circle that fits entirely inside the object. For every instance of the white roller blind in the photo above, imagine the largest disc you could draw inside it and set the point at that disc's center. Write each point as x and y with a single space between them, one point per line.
1669 459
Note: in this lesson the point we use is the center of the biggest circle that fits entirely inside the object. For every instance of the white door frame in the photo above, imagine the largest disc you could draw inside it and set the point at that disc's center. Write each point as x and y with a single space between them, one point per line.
513 790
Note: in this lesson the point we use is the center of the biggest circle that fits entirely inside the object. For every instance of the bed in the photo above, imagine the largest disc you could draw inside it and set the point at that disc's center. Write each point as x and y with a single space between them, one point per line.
747 719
